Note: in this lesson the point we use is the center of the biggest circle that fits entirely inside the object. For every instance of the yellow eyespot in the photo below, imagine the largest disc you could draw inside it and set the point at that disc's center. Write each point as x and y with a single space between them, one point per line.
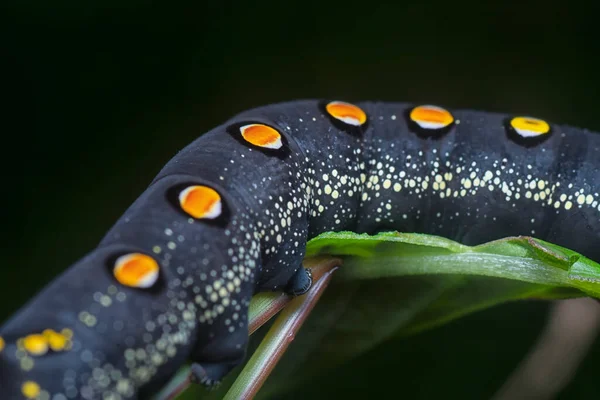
431 117
346 112
30 389
136 270
56 341
529 127
35 344
1 344
262 136
201 202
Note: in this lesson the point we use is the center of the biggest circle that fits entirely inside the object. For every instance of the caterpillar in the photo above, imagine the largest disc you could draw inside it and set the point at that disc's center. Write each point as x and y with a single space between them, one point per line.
231 213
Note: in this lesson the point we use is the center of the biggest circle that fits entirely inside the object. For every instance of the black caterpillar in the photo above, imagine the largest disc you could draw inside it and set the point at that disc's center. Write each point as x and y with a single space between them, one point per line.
230 215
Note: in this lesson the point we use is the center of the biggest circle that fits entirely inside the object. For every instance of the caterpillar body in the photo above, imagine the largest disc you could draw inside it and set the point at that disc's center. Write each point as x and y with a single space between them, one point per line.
230 215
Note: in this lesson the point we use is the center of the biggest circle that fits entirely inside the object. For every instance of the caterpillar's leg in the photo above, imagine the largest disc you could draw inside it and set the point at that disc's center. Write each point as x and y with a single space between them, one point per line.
219 357
281 333
233 349
210 373
300 283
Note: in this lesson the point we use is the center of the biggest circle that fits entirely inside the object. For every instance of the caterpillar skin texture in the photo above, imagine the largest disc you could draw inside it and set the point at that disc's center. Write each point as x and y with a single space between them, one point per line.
230 215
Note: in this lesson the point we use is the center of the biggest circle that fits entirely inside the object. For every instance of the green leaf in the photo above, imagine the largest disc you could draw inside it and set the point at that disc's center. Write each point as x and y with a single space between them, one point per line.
523 259
395 284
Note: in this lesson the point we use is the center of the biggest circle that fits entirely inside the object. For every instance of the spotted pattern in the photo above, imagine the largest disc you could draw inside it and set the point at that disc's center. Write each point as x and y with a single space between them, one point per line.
35 344
58 341
136 270
230 215
30 390
200 202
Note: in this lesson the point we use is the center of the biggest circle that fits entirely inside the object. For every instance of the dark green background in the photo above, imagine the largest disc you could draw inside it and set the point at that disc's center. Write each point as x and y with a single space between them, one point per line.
102 94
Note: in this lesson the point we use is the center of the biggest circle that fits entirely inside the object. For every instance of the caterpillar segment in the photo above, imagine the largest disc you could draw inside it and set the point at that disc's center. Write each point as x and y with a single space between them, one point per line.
230 216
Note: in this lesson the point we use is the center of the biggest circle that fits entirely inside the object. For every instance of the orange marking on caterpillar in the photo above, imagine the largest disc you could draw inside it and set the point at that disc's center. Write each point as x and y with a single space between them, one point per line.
346 112
136 270
262 136
431 117
201 202
529 127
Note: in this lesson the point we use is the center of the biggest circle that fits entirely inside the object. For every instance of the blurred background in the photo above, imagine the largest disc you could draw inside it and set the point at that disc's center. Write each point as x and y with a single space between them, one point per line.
102 94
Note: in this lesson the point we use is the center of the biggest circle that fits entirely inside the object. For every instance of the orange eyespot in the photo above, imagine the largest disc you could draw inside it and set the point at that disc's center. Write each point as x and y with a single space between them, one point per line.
262 136
431 117
346 112
201 202
30 389
528 127
35 344
1 344
136 270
